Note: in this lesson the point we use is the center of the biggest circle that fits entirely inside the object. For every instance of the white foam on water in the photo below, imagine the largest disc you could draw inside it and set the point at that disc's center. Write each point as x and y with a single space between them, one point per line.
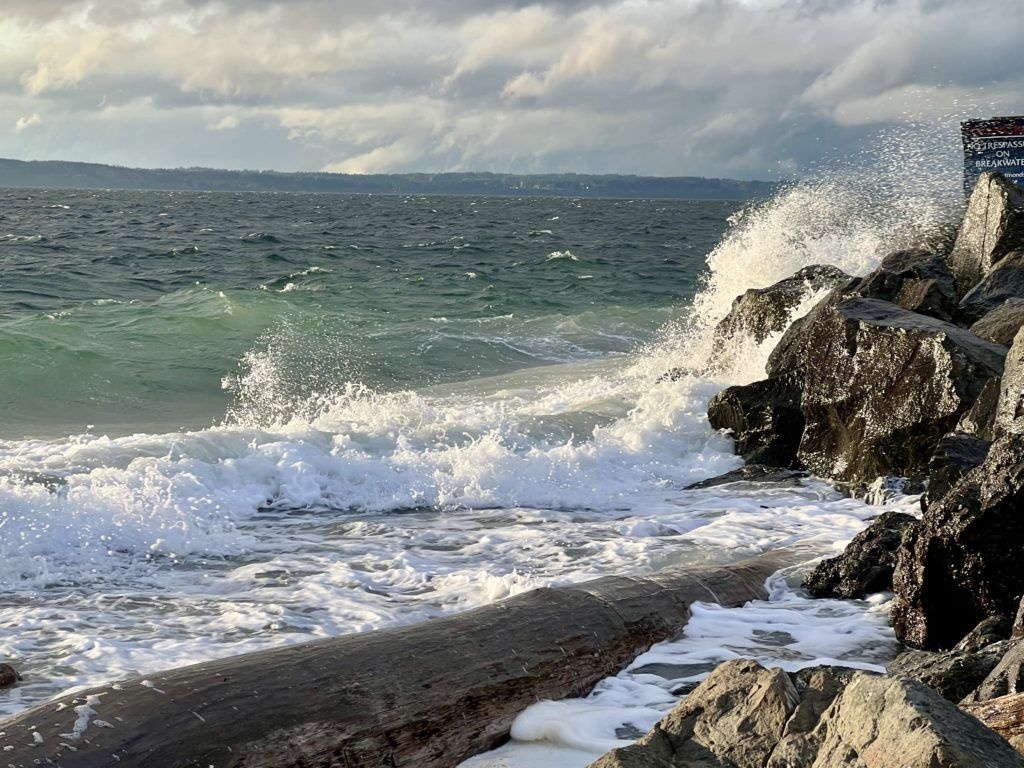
355 509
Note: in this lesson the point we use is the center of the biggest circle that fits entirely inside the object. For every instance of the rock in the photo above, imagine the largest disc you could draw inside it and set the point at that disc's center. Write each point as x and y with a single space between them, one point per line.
1006 677
1004 715
980 418
993 226
965 563
866 564
955 456
746 716
1009 415
764 419
881 385
761 312
886 722
817 687
951 674
914 279
8 676
1017 629
734 718
1002 323
1005 282
990 631
753 473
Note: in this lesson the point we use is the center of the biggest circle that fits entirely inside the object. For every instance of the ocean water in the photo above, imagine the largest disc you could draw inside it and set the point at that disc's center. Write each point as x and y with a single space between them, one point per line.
235 421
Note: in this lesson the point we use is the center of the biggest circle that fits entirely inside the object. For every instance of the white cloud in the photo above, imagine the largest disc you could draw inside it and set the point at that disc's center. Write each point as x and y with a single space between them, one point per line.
22 123
650 86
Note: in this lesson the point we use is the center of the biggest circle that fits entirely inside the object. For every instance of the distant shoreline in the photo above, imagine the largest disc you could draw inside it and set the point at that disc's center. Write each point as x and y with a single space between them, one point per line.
58 174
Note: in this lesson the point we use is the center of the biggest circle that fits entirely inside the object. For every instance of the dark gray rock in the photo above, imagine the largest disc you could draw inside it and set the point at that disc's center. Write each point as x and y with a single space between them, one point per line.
993 226
8 676
1010 407
760 312
955 455
1002 323
951 674
881 385
1003 283
753 473
989 631
764 419
866 564
964 565
980 418
914 279
1006 677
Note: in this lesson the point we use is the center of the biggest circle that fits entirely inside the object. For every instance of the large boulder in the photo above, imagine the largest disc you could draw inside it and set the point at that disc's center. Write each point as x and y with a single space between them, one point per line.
1002 323
876 386
916 279
761 312
1004 282
1004 715
881 385
764 419
993 226
952 674
964 565
887 722
734 718
746 716
1009 415
955 455
866 564
1006 677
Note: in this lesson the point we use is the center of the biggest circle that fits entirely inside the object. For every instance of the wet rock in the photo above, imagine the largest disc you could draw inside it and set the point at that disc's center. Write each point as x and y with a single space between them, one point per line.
1017 628
951 674
761 312
980 418
881 385
734 718
965 563
955 456
867 563
8 676
914 279
764 419
993 226
1006 677
1002 323
1004 715
1010 407
753 473
1005 282
989 631
887 722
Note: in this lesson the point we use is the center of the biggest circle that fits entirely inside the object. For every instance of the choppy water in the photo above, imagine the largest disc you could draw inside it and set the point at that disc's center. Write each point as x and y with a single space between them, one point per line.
235 421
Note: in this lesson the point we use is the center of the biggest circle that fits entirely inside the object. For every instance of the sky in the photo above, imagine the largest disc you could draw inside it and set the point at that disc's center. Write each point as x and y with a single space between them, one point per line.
738 88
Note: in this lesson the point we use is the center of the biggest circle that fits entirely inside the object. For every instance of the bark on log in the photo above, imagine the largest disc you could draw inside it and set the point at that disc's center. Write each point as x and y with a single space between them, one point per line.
427 695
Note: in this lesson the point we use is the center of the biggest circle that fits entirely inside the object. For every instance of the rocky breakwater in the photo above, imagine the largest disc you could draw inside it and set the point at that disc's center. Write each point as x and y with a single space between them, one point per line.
914 371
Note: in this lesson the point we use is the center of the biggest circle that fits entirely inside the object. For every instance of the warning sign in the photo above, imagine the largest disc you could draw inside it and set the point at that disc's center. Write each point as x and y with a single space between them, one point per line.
993 145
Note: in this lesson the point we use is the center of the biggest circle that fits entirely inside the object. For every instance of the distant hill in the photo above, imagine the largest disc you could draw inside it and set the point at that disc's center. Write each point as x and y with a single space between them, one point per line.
66 175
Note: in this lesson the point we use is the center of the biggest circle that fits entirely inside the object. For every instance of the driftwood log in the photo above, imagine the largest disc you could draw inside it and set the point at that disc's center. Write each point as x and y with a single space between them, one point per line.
424 696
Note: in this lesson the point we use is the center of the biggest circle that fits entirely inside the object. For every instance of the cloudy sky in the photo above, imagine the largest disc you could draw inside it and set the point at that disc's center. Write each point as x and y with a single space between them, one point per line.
743 88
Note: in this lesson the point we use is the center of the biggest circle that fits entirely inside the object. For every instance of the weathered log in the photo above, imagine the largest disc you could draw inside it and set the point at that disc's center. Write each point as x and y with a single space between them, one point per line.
426 695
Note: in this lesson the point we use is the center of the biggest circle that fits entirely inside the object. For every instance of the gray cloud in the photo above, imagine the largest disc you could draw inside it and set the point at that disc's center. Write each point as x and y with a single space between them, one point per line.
751 88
